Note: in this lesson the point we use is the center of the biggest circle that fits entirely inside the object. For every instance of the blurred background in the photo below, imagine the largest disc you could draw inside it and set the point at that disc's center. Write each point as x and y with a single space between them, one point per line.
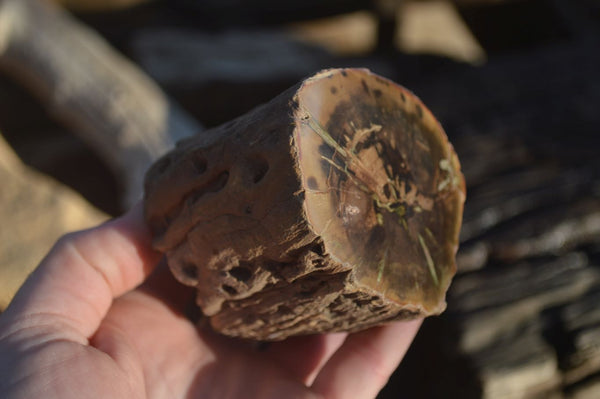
92 91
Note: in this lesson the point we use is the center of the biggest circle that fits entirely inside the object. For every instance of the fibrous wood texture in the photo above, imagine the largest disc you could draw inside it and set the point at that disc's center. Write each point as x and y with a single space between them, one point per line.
334 207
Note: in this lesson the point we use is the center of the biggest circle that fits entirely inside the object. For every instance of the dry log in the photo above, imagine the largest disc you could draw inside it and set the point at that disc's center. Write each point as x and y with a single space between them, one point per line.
581 321
495 302
509 121
103 97
506 318
517 193
334 207
528 370
546 232
589 389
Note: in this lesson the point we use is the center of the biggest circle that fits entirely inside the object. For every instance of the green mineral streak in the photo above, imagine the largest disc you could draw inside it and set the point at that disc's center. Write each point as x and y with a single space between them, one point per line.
430 264
394 190
345 171
430 235
445 165
443 184
316 127
400 211
314 124
451 179
381 266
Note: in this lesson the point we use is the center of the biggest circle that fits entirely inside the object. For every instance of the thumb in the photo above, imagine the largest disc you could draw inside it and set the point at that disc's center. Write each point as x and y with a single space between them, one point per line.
72 289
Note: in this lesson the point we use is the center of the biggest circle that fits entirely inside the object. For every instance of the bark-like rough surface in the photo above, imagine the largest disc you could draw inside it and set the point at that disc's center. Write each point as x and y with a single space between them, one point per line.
334 207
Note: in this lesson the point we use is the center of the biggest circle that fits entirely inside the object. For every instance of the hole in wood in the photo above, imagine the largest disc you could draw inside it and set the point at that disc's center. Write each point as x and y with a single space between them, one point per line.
361 302
229 289
190 271
283 309
308 293
213 186
241 273
200 164
217 184
259 168
317 248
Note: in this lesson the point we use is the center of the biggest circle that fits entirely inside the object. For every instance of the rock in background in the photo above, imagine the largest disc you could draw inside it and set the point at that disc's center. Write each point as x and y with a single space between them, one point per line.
35 211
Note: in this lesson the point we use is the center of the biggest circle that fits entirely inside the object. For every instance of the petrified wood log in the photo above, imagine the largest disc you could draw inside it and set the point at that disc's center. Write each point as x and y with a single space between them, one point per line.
334 207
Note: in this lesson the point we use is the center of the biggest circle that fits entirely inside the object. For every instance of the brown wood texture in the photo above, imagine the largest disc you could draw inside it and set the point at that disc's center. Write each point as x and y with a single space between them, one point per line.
334 207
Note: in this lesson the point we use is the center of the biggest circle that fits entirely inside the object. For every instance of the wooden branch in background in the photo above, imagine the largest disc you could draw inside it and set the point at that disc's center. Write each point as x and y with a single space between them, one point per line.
100 95
99 5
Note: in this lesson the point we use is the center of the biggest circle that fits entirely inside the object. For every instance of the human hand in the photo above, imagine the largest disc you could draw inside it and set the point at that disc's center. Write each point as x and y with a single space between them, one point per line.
97 319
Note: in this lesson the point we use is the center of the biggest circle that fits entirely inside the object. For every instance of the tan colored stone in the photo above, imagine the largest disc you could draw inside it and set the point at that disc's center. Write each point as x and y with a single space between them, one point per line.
435 27
354 33
35 211
587 390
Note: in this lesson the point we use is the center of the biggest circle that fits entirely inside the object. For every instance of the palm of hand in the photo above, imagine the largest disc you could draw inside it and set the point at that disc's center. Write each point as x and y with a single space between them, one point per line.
175 359
67 337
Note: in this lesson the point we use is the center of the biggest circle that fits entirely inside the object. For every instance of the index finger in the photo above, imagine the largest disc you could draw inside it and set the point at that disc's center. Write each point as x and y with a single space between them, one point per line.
362 365
74 286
